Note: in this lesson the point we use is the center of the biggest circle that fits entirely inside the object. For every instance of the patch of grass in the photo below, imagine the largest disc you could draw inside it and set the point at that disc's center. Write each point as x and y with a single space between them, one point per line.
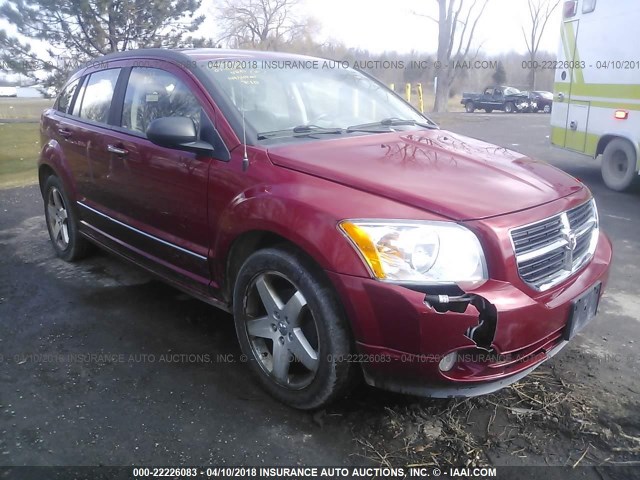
23 108
19 154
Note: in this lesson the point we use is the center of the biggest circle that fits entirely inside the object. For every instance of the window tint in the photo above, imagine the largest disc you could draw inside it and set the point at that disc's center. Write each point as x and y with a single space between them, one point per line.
96 100
153 93
64 99
588 6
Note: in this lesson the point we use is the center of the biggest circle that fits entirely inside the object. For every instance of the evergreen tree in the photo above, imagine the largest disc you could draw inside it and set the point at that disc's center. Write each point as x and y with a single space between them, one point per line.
57 36
500 75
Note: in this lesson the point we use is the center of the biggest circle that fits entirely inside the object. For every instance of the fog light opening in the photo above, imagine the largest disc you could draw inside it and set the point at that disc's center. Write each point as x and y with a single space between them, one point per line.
448 362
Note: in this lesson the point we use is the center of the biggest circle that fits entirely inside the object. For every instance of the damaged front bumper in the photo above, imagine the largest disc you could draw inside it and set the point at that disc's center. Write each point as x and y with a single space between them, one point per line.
498 333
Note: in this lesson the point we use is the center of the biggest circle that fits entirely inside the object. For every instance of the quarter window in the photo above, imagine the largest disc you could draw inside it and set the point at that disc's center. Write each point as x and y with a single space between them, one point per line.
588 6
63 103
153 93
96 100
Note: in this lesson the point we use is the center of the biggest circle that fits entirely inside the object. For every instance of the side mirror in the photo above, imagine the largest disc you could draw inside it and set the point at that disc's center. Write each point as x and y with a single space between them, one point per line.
178 133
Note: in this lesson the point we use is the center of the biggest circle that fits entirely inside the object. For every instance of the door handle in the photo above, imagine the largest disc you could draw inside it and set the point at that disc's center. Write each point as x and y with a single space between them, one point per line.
64 133
118 151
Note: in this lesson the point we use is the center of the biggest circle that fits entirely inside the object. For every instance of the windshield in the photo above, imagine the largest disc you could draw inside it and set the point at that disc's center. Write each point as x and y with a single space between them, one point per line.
285 99
511 91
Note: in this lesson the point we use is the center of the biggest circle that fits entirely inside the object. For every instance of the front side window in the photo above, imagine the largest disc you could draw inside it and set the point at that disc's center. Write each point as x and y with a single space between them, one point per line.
65 98
153 93
97 96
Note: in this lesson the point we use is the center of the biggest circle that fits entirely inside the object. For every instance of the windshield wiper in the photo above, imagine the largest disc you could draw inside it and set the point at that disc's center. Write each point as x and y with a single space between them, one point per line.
300 131
387 122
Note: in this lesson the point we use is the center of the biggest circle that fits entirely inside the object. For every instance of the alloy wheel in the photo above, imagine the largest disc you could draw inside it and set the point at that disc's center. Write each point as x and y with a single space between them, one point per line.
282 330
58 218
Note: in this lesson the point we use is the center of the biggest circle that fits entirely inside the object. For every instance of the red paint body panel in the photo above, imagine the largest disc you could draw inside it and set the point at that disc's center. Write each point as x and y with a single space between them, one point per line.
179 215
453 176
402 338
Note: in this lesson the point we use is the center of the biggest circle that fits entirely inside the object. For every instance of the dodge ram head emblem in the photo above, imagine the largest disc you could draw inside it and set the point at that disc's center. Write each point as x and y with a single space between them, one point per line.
571 240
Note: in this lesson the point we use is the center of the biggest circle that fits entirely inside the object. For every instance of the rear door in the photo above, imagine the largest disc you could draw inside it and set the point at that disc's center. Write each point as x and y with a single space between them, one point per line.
91 133
498 99
66 131
486 99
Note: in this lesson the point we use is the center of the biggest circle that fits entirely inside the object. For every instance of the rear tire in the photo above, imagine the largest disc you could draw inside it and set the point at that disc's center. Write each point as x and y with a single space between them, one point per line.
509 107
62 222
488 110
470 107
292 329
547 109
619 165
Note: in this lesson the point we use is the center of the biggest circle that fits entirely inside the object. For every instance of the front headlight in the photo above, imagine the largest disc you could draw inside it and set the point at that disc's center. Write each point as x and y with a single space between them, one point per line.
417 251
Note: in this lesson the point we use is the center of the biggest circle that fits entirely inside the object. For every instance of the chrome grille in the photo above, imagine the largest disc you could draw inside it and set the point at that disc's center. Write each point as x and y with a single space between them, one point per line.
551 250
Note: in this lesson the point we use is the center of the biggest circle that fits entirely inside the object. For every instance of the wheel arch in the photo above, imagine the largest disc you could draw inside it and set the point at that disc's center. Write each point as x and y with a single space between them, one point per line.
52 162
44 172
252 240
242 247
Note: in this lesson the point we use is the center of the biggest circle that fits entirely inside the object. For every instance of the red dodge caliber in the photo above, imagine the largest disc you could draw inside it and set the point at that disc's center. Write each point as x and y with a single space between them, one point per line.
347 234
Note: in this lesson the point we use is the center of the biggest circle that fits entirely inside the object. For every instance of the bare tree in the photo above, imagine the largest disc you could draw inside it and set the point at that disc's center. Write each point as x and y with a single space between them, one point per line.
263 24
539 11
457 21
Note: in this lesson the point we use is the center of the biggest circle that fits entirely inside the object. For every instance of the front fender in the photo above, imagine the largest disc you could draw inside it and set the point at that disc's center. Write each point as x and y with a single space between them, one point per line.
296 213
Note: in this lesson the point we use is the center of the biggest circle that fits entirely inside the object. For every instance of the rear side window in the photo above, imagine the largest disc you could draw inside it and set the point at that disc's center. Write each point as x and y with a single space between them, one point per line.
96 98
588 6
63 103
153 93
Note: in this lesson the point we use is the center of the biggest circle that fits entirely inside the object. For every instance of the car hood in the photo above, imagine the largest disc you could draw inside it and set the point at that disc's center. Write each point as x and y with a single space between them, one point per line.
454 176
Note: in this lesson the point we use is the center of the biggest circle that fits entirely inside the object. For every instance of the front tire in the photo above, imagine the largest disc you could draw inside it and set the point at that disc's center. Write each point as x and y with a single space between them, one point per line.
509 107
547 109
619 165
292 328
62 222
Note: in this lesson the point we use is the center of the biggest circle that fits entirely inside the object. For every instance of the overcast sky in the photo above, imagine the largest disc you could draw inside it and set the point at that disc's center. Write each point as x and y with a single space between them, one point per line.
380 25
384 25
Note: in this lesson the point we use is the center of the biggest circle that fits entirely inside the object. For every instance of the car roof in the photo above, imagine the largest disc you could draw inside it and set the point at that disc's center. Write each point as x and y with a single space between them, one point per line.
201 54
